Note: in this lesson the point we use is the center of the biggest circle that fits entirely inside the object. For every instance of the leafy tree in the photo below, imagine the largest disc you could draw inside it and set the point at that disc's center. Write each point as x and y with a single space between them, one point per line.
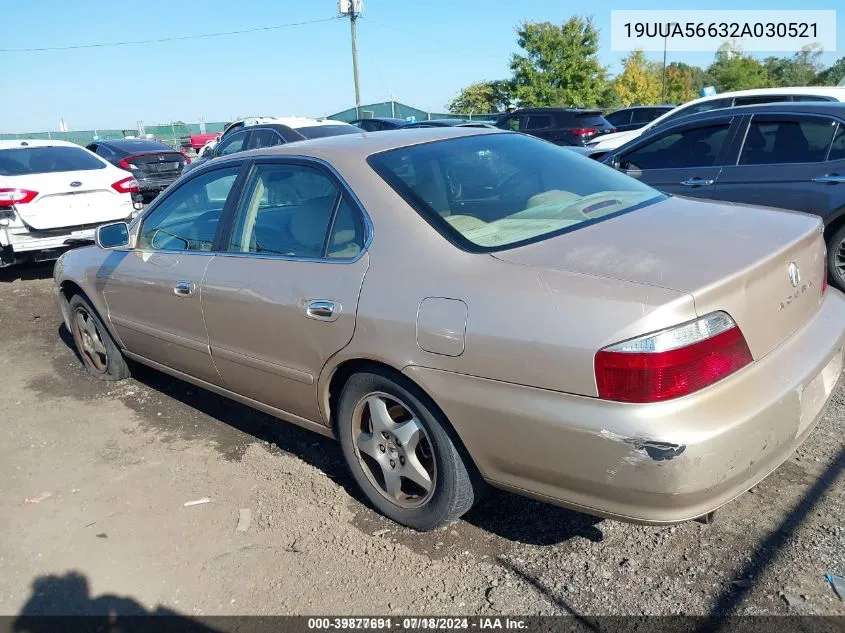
734 70
799 70
482 97
560 66
832 75
639 82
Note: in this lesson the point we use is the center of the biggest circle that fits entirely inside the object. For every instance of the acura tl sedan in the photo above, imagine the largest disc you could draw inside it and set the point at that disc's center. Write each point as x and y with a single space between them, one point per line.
467 306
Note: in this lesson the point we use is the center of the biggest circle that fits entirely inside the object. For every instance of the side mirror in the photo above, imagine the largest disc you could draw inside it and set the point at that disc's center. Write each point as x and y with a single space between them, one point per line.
114 235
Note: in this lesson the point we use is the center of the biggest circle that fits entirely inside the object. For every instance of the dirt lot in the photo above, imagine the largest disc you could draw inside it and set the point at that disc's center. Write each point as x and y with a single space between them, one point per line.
119 460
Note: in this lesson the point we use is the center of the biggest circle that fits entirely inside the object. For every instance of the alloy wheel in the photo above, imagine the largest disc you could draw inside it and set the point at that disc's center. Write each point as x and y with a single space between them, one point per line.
839 261
90 341
394 450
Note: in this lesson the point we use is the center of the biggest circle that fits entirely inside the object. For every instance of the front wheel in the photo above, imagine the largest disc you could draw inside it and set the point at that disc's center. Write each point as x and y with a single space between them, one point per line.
99 353
836 258
400 452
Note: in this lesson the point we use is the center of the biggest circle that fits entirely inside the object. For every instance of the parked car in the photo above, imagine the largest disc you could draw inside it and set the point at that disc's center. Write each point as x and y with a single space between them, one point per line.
724 100
561 126
270 134
789 155
195 142
466 305
635 117
53 194
446 123
153 164
379 124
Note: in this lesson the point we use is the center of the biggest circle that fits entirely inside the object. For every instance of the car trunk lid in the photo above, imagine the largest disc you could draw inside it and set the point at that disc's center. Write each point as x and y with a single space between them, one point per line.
60 204
157 164
728 257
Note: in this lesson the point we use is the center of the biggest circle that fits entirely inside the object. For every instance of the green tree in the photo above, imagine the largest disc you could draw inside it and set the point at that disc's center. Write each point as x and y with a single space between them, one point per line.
734 70
832 75
482 97
639 82
560 66
799 70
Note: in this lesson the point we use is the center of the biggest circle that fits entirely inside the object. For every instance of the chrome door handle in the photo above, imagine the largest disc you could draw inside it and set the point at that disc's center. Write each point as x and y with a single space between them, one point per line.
697 182
183 288
323 310
831 179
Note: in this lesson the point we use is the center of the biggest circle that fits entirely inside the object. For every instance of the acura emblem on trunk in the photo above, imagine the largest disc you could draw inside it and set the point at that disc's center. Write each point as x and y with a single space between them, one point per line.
794 274
75 183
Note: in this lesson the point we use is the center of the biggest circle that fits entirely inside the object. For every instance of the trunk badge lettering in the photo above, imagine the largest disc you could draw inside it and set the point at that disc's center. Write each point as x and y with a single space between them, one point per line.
794 274
76 183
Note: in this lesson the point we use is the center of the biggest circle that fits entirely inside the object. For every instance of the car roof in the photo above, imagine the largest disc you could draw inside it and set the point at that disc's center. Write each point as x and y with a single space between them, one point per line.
826 91
798 107
364 144
551 110
382 118
27 142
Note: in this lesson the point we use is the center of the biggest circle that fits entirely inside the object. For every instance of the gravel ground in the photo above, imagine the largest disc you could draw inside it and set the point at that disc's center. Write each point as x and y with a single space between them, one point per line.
119 461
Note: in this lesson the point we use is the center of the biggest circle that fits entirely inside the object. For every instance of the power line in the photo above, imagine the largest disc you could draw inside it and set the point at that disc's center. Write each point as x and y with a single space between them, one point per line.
165 39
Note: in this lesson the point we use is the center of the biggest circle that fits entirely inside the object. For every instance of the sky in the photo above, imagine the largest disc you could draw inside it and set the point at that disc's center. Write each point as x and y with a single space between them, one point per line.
420 53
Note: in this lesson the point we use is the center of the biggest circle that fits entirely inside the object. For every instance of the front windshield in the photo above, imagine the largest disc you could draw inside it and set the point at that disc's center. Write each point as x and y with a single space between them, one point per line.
496 191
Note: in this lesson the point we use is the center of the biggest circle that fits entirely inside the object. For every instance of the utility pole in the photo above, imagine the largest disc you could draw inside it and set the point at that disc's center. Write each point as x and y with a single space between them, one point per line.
352 9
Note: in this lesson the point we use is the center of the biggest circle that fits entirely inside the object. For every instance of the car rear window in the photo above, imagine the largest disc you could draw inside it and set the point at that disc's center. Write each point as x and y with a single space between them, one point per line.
320 131
133 147
491 192
591 119
44 160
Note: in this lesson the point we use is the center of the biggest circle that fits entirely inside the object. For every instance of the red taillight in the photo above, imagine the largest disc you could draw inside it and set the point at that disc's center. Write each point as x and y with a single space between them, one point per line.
11 197
186 157
672 363
583 132
127 185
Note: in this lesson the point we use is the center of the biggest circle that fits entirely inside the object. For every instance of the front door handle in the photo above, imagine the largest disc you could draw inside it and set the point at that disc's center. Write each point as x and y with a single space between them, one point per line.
323 310
183 288
697 182
831 179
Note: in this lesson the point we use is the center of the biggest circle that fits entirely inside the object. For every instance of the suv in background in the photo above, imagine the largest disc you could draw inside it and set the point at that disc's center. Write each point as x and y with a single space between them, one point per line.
723 100
635 117
561 126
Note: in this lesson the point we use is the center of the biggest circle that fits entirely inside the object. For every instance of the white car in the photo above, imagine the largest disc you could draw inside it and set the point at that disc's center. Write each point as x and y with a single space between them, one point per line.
54 194
609 142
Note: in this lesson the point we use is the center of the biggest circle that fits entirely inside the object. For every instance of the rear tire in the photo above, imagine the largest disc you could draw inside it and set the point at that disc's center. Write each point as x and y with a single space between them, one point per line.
98 351
836 258
398 448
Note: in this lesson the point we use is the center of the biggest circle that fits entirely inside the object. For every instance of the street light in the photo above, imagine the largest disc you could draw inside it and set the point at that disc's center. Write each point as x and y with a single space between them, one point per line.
353 8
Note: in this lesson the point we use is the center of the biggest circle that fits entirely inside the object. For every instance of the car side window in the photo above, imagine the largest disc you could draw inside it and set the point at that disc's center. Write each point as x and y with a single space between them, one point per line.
233 144
741 101
620 117
101 150
511 123
538 122
692 147
837 149
292 210
785 141
645 115
264 138
187 219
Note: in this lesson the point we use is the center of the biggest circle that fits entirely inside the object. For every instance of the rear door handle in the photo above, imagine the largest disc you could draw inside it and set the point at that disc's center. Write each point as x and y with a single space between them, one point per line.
323 310
183 288
697 182
831 179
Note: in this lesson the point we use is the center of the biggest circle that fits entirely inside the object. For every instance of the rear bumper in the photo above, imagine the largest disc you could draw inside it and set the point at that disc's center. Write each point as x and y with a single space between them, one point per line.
655 463
150 184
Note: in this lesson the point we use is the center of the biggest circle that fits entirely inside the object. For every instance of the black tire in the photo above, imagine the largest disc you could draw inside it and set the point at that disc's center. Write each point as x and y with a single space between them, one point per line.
98 351
454 487
836 247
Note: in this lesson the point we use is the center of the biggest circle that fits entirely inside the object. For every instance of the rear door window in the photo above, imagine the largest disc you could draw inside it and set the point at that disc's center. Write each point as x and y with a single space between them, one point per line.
538 122
620 117
263 138
692 147
787 140
837 150
24 161
645 115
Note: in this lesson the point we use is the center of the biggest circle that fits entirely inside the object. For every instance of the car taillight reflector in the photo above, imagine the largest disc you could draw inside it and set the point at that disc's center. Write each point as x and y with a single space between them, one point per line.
672 363
11 197
583 131
127 185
